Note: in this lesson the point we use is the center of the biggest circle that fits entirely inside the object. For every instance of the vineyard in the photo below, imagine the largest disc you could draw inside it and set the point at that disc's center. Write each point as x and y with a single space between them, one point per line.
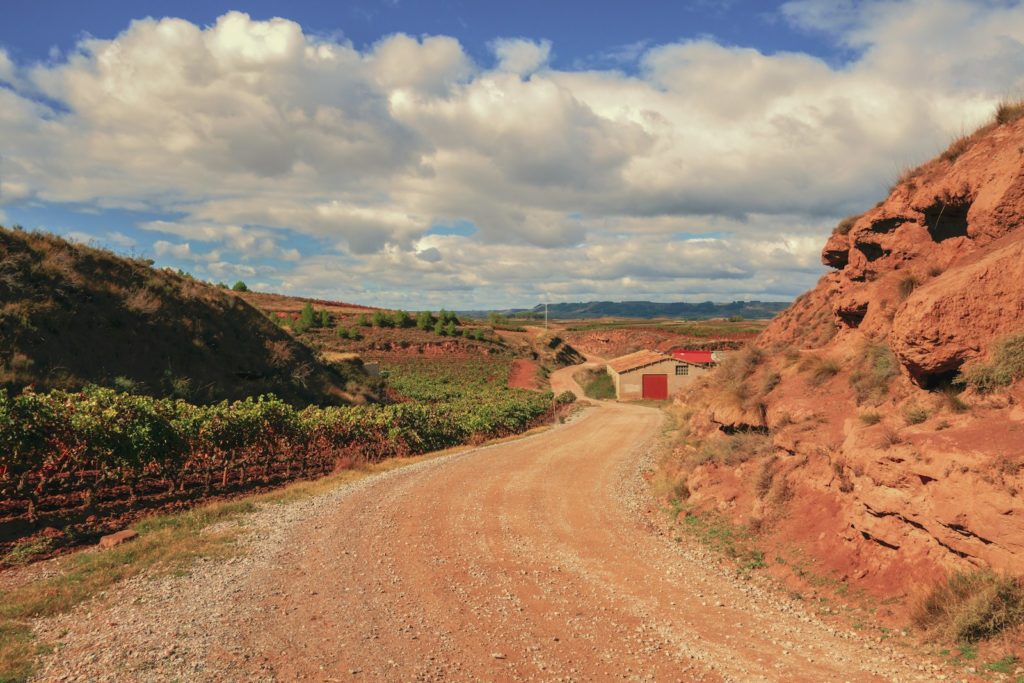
89 461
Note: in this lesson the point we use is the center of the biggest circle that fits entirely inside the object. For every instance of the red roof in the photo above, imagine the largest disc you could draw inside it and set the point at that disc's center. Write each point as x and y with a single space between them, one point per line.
693 356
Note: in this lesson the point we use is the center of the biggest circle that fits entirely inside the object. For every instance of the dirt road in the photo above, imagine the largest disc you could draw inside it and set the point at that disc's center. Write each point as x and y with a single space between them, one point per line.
530 560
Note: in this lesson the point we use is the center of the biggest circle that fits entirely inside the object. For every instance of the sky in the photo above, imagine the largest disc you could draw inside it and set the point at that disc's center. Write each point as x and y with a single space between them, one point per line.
485 155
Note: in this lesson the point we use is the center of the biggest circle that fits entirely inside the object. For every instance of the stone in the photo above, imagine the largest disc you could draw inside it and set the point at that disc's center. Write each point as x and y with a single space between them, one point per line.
116 539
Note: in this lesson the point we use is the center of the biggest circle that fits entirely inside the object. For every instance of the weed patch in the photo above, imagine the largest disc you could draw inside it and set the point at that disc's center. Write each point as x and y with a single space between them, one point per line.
733 541
973 606
875 371
1006 366
820 369
597 384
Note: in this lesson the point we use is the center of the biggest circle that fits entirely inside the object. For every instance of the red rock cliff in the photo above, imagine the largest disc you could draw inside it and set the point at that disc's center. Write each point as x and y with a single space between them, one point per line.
872 459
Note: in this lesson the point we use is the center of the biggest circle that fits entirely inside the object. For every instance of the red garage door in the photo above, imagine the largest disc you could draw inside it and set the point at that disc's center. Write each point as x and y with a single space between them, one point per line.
656 387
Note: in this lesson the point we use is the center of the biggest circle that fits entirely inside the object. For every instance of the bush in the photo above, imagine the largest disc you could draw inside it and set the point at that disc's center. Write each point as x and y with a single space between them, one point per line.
425 320
914 414
402 320
1005 367
240 287
874 373
736 448
972 606
382 319
956 148
1009 111
845 225
565 397
906 286
821 369
870 417
597 384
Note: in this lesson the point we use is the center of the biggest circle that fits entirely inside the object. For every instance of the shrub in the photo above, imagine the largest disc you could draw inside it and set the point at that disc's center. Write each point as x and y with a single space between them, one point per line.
956 148
1005 367
914 414
425 320
906 286
770 381
972 606
382 319
821 370
402 319
597 384
874 373
325 319
845 225
870 417
240 287
1009 111
565 397
364 321
736 448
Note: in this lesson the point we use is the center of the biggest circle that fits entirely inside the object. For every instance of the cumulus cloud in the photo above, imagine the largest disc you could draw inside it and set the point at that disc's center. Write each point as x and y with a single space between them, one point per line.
521 56
250 135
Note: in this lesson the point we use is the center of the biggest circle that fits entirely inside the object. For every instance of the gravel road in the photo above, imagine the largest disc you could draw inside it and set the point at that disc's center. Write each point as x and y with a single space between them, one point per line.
536 559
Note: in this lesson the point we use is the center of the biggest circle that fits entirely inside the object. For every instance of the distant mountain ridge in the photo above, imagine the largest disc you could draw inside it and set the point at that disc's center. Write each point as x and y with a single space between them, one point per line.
650 309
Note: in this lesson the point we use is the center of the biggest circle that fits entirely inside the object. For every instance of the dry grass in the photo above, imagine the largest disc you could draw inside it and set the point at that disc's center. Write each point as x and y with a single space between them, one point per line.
844 226
1009 111
1006 366
972 606
820 369
870 417
914 414
956 148
874 373
906 286
736 448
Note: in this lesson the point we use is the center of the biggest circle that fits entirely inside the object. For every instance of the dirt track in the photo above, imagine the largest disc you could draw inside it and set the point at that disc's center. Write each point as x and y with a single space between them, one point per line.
531 560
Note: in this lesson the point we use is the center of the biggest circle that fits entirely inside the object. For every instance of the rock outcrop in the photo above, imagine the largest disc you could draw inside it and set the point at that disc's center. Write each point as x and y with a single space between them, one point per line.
884 470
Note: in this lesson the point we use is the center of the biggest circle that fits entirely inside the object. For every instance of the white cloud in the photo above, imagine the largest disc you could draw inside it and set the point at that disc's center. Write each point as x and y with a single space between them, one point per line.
6 67
521 56
254 132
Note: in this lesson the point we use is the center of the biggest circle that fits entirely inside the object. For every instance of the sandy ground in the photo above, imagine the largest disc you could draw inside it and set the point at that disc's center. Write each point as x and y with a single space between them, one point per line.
537 559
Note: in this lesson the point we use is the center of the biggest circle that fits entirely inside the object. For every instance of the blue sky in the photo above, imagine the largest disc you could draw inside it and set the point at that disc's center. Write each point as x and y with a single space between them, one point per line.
462 154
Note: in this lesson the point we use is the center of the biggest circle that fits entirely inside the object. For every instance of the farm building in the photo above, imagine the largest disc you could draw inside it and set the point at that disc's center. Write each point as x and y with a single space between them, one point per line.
652 375
698 357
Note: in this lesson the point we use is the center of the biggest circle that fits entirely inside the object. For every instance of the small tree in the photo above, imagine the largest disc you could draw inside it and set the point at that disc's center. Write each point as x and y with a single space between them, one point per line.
325 319
381 319
239 287
440 328
402 319
364 321
451 330
425 320
307 318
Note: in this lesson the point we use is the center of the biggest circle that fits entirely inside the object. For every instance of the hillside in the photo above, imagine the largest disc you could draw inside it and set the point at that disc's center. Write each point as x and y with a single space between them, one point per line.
648 309
72 315
873 432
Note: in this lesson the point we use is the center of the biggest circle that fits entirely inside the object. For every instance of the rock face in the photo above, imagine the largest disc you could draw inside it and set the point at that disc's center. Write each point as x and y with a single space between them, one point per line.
882 472
952 319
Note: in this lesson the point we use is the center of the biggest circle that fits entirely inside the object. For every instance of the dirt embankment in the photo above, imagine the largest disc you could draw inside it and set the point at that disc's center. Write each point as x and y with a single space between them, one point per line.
860 450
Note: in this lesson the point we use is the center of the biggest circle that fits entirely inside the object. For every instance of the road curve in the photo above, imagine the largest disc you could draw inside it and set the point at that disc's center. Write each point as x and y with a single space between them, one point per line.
525 561
535 559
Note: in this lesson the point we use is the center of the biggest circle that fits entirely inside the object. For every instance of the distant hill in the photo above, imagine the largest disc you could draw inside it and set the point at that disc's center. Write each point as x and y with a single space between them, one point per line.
72 314
650 309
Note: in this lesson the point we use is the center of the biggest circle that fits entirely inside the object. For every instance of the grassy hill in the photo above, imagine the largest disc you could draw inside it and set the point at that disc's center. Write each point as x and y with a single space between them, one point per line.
72 315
